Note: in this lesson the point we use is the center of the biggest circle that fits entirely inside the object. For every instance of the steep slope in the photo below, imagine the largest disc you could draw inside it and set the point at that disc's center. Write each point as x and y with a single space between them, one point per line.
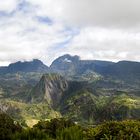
27 112
87 91
122 69
86 106
31 66
17 85
80 106
82 101
120 107
49 89
85 101
127 71
72 65
65 64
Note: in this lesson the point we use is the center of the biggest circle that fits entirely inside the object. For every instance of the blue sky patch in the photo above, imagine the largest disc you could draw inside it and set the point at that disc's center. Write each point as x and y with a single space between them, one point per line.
45 20
24 6
70 33
4 14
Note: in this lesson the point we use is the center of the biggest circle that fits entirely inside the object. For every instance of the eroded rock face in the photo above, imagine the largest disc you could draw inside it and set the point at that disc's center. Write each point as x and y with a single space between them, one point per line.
50 89
65 65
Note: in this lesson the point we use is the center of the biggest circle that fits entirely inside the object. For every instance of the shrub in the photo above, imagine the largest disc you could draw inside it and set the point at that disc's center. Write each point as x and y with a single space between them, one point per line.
51 127
31 134
125 130
71 133
8 127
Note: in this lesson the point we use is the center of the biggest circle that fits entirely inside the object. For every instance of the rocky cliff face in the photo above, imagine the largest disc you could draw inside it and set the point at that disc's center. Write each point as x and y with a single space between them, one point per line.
65 65
68 65
50 89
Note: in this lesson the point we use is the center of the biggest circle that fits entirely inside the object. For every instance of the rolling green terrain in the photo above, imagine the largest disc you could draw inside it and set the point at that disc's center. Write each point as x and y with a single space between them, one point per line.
86 102
85 91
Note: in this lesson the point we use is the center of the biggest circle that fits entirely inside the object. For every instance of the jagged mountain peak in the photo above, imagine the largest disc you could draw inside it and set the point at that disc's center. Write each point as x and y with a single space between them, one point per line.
67 58
49 89
65 64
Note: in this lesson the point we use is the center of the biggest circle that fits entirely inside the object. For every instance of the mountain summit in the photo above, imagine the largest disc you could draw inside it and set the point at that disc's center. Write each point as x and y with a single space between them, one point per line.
27 66
49 89
65 64
73 65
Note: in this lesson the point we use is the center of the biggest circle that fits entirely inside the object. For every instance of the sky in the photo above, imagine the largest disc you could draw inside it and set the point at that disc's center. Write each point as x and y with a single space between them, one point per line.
47 29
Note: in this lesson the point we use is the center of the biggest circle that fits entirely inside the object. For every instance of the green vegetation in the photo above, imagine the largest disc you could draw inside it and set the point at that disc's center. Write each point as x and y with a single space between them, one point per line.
91 93
30 134
16 86
8 127
91 98
82 106
53 126
62 129
125 130
85 106
71 133
27 113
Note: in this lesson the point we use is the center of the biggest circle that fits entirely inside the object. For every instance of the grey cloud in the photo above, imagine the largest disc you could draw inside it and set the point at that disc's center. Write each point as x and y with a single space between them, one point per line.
106 13
98 29
111 13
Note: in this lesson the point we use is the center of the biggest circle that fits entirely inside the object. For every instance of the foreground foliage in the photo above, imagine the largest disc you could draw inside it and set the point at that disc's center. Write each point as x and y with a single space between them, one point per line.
8 127
124 130
62 129
30 134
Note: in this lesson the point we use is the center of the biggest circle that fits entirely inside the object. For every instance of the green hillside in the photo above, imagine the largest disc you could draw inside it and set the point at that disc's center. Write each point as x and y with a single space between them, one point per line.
84 101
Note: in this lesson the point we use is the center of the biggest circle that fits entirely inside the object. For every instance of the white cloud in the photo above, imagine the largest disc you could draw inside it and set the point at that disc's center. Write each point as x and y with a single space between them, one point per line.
23 37
121 13
106 44
93 29
8 5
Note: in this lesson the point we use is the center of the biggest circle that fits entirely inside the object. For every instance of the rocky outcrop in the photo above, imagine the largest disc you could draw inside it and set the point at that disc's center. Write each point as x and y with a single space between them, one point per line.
50 89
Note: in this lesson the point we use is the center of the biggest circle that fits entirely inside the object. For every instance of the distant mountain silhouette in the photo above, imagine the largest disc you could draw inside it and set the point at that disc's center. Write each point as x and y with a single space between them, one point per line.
82 90
31 66
68 65
124 70
71 65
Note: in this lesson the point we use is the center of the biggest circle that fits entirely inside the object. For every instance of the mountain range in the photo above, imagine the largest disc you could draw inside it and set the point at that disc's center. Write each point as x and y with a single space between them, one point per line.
86 91
72 66
31 66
